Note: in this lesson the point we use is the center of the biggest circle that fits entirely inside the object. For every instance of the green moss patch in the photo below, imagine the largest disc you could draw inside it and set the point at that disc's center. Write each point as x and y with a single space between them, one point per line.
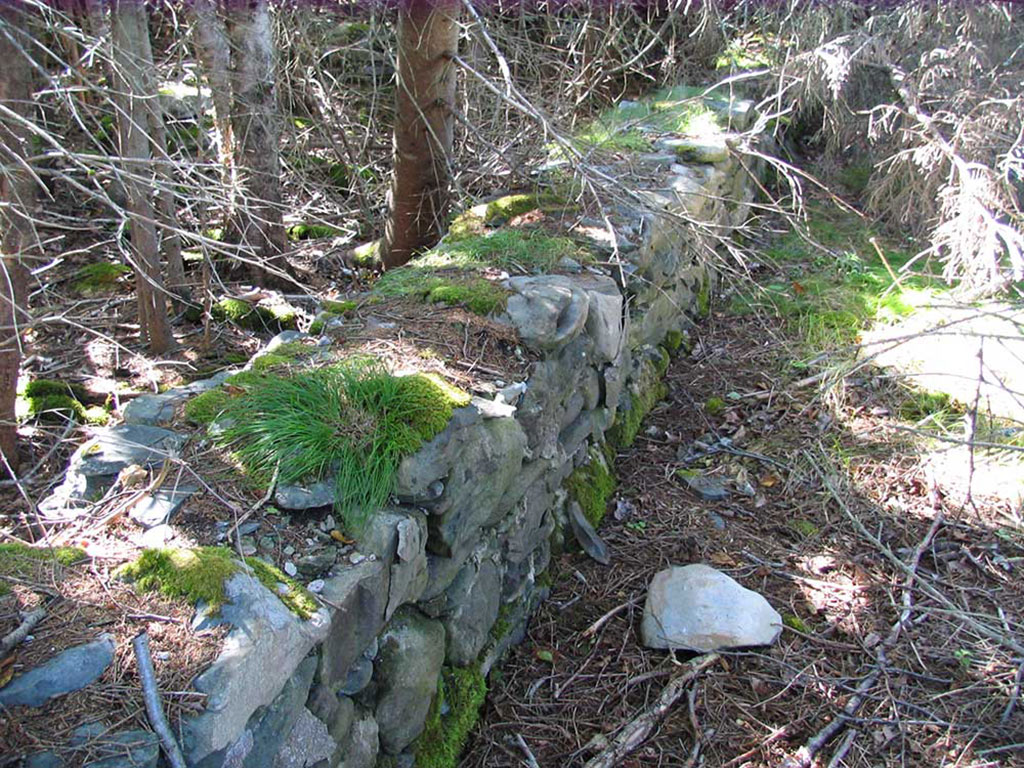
275 318
298 232
645 394
205 408
100 278
296 597
194 574
52 400
592 485
199 575
477 294
714 406
460 695
353 420
367 255
24 562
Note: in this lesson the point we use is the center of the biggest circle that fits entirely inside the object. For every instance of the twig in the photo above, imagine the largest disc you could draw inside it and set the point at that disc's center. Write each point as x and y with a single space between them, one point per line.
151 694
521 743
27 624
775 735
592 629
633 734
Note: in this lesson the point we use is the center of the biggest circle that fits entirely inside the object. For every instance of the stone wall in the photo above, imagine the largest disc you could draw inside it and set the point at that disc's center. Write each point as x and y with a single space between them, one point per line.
443 582
446 580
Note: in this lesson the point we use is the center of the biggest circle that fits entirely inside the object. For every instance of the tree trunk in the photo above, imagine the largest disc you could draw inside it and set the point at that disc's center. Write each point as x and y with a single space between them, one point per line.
129 30
213 50
257 130
17 196
428 36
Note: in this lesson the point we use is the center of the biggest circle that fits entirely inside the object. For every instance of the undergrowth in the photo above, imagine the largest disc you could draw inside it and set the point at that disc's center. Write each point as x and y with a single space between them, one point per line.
352 421
22 561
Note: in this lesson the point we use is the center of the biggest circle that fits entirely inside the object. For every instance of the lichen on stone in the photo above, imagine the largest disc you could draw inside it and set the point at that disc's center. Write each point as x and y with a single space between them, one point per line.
592 485
460 695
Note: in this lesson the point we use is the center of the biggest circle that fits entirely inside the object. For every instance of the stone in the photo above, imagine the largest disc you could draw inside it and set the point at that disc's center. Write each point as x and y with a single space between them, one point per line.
290 569
157 536
698 608
586 535
399 539
316 563
359 676
408 664
155 410
307 743
493 409
473 601
708 488
361 595
319 494
604 320
705 149
94 466
68 671
548 310
261 652
159 507
125 749
43 760
363 744
284 337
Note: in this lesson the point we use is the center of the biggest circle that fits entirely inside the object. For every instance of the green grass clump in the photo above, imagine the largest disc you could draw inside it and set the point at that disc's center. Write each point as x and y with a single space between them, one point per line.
592 485
444 735
100 277
457 288
353 420
507 249
22 561
255 317
204 408
920 405
296 597
194 574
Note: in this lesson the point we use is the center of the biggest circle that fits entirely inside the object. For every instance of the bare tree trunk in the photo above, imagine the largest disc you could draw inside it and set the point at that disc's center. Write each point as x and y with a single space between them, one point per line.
428 37
257 132
129 29
214 52
17 196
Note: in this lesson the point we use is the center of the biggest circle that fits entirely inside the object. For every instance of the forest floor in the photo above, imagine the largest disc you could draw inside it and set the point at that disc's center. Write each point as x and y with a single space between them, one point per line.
892 554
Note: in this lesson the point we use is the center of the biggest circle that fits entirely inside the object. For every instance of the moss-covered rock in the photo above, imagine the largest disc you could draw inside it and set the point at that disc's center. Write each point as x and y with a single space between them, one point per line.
203 409
674 341
453 713
49 399
199 575
645 391
276 317
367 255
22 561
592 485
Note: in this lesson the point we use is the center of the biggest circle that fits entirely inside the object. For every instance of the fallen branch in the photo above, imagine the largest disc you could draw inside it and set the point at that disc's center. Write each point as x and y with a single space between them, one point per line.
151 695
640 727
27 624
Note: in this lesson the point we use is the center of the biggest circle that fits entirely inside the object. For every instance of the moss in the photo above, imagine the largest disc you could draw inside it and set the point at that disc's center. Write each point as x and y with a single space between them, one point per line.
43 387
245 380
277 317
460 695
704 299
271 360
97 415
592 485
482 297
296 597
100 277
205 408
194 574
673 341
627 424
804 527
795 622
433 399
367 255
338 307
298 232
510 206
22 561
714 406
56 407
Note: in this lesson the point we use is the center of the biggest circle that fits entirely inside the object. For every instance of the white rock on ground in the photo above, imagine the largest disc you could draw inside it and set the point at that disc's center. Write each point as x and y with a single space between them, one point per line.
697 608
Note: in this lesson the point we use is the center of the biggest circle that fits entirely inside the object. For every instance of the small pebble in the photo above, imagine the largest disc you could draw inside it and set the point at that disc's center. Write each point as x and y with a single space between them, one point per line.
282 588
290 568
316 586
248 550
289 550
356 558
499 383
329 523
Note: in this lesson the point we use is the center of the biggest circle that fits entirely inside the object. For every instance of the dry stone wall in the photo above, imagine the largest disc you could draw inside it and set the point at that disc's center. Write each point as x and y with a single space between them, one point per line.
444 581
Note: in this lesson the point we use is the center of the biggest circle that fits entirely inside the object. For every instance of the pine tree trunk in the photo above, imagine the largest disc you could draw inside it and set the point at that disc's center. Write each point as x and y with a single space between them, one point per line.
257 130
213 50
17 195
428 35
128 30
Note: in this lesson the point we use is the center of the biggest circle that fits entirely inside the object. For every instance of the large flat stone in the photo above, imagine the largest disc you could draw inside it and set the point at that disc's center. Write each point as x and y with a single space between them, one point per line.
68 671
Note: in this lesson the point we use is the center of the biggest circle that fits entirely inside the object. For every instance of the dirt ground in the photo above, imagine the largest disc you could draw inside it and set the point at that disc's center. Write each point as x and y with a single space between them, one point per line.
900 595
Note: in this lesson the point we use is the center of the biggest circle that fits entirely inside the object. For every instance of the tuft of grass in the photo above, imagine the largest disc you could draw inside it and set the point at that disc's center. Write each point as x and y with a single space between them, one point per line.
460 695
338 307
22 561
353 420
592 485
99 278
194 574
920 405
